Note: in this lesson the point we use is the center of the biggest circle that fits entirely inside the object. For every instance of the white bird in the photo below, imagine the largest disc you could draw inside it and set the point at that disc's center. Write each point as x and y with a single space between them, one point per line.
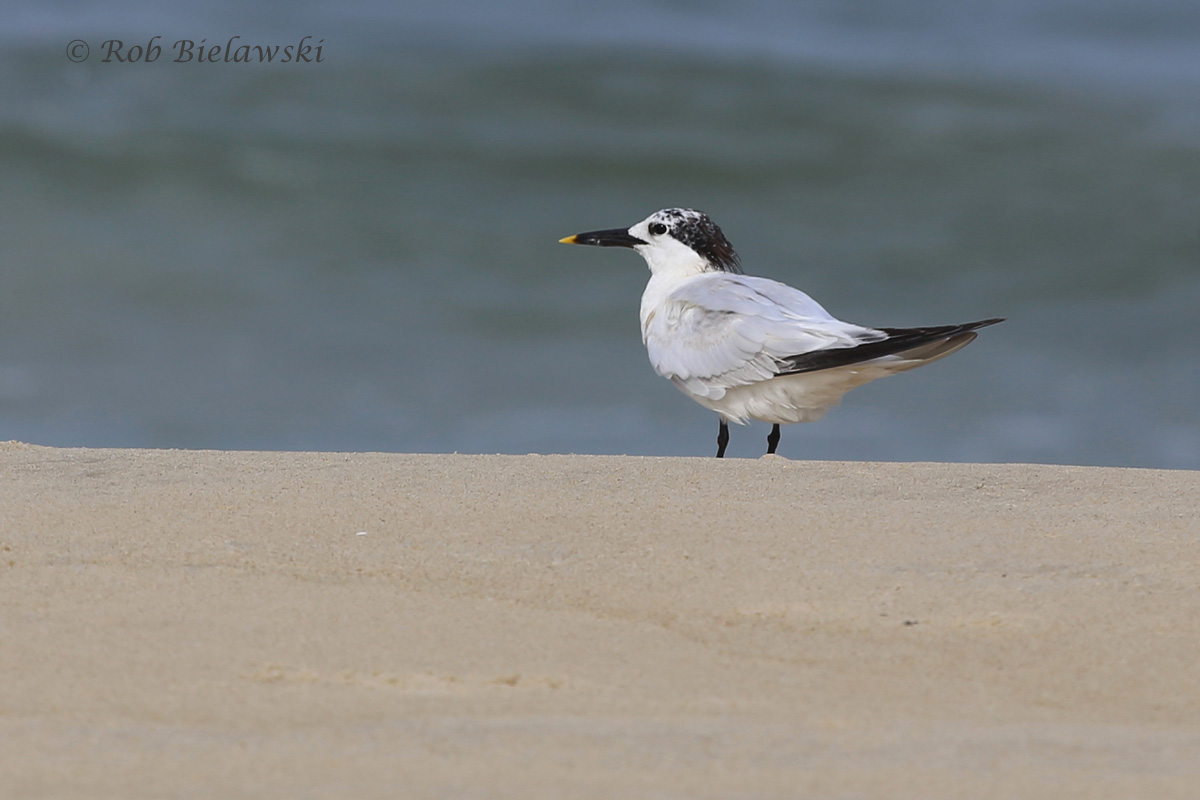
754 348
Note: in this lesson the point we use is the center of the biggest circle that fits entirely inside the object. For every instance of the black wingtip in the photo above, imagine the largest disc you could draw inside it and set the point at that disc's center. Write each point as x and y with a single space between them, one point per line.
938 331
899 340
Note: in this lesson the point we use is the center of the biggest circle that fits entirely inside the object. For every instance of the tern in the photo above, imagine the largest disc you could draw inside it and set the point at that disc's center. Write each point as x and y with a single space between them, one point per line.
753 348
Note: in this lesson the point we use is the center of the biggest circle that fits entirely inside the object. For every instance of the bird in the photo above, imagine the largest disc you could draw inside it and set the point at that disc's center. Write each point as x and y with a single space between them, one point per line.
749 347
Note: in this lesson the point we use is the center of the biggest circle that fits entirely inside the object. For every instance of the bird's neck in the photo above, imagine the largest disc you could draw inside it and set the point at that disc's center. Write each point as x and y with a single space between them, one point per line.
660 285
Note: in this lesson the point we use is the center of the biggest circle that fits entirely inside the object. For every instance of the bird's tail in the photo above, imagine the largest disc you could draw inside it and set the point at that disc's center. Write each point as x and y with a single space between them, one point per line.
904 348
922 345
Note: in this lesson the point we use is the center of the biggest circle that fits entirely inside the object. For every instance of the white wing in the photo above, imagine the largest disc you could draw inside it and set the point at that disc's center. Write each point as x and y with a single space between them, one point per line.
719 330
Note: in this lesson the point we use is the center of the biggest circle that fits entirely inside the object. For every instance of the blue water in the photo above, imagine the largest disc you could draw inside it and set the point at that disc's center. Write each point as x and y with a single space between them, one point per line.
361 254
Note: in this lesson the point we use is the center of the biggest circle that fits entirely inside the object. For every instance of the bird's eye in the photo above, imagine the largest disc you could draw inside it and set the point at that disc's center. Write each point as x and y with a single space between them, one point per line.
657 228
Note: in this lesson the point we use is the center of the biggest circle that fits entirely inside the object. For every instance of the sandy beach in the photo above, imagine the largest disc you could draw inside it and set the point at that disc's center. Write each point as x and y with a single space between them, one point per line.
243 624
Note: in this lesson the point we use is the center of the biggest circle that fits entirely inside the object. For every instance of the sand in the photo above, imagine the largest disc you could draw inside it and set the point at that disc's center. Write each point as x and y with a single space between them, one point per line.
236 624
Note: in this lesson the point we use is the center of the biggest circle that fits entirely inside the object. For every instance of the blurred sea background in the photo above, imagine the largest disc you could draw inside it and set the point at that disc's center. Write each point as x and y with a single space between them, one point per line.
362 254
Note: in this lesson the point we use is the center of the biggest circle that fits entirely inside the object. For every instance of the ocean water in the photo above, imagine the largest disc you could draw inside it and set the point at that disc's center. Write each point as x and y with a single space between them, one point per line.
361 253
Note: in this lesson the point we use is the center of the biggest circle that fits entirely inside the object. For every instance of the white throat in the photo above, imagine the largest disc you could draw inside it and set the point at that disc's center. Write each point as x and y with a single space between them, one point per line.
671 257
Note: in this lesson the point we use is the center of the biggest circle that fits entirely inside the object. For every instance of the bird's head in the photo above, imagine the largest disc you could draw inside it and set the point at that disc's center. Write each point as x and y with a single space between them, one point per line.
674 240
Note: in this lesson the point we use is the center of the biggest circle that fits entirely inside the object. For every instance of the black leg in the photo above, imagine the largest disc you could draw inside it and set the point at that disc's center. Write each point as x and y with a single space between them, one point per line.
773 439
722 439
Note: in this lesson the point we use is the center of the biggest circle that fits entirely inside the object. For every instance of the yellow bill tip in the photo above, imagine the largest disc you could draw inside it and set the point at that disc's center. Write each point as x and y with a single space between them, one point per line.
567 240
